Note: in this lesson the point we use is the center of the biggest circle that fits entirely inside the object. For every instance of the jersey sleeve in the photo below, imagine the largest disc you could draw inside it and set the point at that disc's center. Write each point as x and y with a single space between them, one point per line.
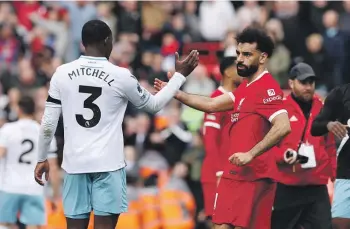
54 97
135 93
52 148
142 99
270 103
4 137
329 112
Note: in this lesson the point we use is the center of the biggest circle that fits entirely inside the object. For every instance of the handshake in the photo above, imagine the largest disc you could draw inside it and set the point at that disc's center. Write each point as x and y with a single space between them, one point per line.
292 157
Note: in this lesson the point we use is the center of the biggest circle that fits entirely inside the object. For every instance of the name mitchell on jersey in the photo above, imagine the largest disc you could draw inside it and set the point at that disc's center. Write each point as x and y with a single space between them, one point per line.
90 72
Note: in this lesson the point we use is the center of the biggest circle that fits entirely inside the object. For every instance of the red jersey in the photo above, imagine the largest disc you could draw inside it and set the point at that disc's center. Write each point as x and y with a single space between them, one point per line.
255 106
214 138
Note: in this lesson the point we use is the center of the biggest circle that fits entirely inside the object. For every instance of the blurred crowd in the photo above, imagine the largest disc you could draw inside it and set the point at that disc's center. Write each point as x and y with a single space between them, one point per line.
38 36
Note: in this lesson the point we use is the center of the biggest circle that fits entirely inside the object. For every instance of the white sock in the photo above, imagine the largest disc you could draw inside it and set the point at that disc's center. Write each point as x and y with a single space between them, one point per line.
4 227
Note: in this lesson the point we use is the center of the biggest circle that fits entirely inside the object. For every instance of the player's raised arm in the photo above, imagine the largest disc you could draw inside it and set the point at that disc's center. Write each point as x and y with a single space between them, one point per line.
326 119
143 99
48 127
203 103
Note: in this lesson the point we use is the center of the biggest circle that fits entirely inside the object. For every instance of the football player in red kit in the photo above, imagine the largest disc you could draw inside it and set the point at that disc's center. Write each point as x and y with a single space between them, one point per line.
213 135
246 190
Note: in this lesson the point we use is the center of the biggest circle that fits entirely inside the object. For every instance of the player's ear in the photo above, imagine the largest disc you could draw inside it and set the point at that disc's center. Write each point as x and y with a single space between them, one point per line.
105 41
263 57
290 83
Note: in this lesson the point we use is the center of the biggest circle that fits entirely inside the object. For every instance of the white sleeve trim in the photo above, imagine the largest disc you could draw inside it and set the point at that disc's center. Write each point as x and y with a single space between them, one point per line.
232 96
158 101
212 124
51 156
47 130
219 173
277 113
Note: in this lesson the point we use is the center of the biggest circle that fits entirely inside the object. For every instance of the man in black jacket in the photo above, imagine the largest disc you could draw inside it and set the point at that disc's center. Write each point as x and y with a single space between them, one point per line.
335 118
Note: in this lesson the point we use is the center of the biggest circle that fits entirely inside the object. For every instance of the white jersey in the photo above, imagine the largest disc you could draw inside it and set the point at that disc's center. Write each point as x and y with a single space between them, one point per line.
93 95
20 139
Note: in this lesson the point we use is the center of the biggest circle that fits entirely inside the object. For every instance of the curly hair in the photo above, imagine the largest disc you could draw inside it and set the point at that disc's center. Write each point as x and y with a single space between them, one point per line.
259 36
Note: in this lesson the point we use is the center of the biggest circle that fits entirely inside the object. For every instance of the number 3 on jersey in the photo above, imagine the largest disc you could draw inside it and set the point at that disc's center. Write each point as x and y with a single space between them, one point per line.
89 104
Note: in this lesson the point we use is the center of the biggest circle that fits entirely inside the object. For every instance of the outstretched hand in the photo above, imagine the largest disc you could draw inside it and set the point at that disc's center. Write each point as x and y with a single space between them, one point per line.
187 65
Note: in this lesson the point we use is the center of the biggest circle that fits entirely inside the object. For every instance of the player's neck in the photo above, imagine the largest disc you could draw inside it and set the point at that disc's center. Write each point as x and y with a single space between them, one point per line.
25 117
256 74
94 53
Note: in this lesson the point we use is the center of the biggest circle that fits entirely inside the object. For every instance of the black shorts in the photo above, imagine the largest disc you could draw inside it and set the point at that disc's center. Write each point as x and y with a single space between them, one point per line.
311 212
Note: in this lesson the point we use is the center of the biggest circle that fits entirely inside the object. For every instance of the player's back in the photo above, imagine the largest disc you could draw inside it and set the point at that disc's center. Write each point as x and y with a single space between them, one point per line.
93 106
20 139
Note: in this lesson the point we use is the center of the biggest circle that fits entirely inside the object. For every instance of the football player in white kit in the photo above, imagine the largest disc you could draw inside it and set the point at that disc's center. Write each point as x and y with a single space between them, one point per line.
93 94
18 156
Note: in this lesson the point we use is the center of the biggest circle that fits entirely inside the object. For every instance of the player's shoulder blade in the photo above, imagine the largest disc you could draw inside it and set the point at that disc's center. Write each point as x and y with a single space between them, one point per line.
120 74
7 126
65 69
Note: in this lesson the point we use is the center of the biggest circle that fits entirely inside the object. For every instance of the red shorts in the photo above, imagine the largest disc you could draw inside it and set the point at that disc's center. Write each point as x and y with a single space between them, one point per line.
246 204
209 190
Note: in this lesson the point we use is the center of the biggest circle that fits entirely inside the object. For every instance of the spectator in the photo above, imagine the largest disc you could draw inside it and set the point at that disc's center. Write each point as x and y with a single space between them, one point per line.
198 82
293 26
317 59
317 10
24 10
55 25
215 30
334 44
9 44
229 44
157 68
192 21
10 110
176 137
79 13
279 62
143 130
104 13
123 54
248 13
153 19
344 20
129 22
144 70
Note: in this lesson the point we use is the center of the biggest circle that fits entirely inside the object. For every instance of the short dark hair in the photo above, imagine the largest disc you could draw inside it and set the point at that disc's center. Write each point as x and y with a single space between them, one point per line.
251 35
94 32
27 105
227 62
